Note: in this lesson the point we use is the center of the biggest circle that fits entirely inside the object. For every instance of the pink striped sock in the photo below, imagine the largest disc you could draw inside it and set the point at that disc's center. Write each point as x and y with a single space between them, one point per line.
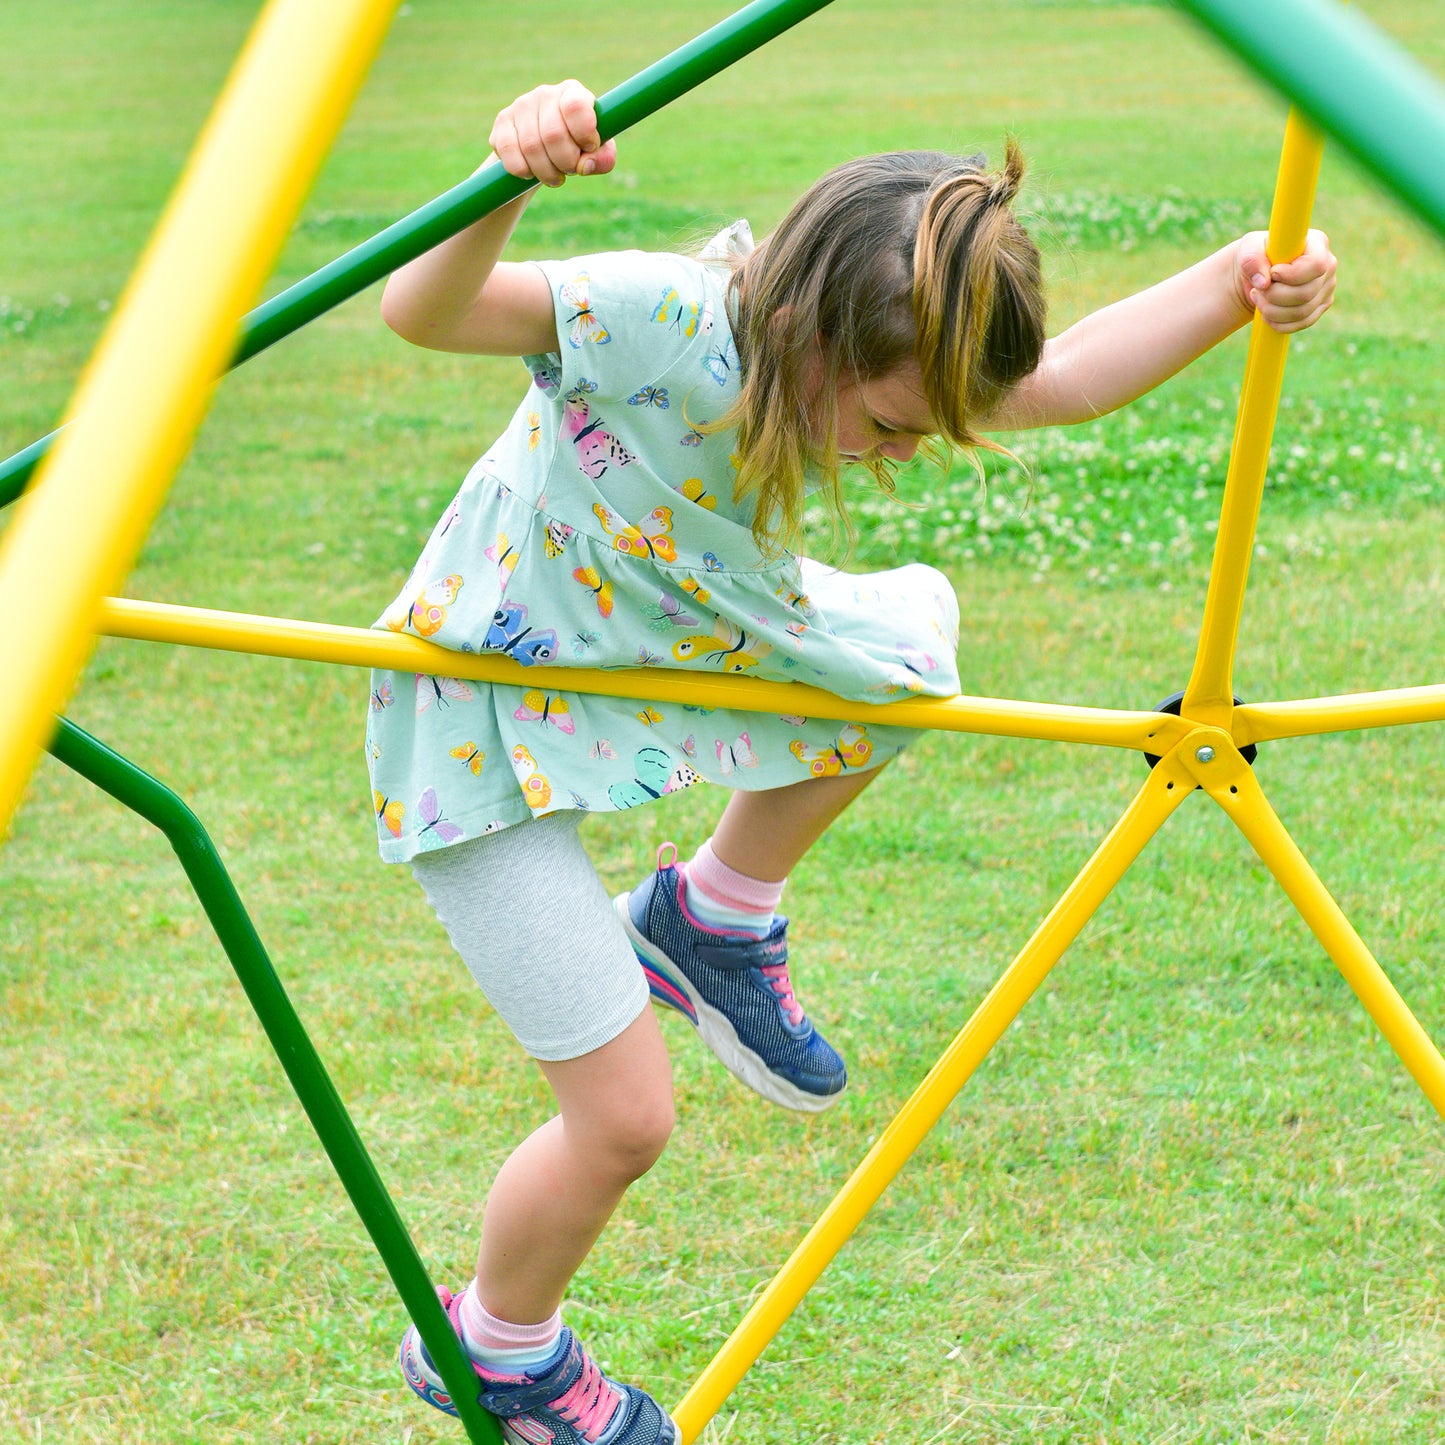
722 899
490 1341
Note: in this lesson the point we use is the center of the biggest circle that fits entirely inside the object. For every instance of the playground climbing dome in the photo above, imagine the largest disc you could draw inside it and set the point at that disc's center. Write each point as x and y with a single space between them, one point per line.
96 485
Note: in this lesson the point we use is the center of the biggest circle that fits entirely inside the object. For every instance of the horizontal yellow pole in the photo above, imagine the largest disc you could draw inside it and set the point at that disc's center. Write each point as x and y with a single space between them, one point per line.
1262 722
1208 697
148 385
1230 781
1164 790
361 647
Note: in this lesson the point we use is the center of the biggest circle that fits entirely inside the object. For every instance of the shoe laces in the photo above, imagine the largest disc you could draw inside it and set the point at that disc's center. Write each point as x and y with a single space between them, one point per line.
590 1402
778 980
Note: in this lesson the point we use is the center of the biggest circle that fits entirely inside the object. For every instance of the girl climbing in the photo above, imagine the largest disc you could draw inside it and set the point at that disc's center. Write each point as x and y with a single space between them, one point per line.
635 512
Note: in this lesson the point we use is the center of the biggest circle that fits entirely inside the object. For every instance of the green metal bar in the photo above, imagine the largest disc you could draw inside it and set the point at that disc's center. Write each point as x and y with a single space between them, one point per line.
15 472
1353 81
156 803
620 108
634 100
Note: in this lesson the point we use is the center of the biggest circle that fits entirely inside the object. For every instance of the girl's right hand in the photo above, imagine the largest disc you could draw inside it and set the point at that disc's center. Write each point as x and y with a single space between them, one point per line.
551 133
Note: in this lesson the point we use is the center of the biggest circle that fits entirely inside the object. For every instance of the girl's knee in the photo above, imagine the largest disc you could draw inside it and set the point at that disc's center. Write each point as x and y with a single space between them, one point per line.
625 1132
637 1135
616 1102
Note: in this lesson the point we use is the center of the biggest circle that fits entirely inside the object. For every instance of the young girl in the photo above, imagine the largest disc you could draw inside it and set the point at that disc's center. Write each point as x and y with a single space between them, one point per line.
634 513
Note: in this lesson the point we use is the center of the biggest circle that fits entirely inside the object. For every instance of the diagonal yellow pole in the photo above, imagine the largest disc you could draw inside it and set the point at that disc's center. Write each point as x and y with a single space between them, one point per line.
1208 698
1168 785
1230 781
147 386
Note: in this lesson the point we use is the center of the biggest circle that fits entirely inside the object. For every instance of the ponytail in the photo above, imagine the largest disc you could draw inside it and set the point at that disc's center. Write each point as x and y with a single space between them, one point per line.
977 296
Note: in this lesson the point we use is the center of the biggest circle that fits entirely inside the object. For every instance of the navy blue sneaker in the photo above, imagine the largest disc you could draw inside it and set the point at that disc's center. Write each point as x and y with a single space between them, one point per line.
735 990
566 1400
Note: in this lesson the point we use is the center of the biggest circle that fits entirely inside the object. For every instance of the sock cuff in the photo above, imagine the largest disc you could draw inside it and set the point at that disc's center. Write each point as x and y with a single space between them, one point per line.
726 886
485 1331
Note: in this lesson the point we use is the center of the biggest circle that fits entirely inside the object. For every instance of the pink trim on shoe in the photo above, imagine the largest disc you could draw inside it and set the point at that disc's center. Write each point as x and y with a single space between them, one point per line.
667 857
693 919
775 973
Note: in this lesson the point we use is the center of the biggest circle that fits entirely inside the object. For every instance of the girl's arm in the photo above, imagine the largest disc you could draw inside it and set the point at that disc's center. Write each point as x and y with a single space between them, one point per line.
459 296
1118 353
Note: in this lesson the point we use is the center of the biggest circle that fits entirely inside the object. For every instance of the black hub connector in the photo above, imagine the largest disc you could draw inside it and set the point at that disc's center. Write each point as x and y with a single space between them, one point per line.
1172 704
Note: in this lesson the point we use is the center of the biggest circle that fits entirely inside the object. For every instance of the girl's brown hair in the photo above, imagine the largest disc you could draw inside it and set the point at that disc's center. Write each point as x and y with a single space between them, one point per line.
912 254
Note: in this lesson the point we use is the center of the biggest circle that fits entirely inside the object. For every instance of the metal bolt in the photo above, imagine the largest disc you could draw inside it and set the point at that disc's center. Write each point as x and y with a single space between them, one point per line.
1205 754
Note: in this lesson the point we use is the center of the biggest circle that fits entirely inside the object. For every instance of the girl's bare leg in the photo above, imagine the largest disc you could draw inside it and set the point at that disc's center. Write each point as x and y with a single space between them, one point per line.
558 1189
763 835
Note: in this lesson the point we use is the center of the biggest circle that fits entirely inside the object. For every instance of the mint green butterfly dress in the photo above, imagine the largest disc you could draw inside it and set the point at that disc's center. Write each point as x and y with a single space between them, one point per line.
601 530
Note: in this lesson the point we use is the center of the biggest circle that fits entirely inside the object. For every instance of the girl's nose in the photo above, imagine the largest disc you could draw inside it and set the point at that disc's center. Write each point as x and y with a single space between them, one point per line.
901 451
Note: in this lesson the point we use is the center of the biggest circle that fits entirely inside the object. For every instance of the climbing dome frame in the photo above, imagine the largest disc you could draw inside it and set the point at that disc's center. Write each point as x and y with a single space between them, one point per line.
136 410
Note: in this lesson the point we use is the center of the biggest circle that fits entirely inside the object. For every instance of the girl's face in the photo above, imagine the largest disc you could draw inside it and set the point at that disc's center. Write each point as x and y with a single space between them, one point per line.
884 416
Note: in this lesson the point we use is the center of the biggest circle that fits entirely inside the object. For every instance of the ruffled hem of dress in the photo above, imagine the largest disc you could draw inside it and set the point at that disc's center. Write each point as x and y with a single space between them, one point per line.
887 743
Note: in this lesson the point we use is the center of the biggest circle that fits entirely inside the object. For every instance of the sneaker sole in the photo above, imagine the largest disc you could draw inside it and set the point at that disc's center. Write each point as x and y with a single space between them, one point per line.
408 1357
716 1028
513 1435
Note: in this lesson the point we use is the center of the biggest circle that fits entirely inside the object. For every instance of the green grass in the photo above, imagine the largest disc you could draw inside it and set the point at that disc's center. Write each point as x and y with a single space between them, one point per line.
1192 1196
1139 492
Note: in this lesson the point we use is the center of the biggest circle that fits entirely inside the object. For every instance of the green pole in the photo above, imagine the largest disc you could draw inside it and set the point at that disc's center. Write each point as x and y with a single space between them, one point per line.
1353 81
634 100
157 804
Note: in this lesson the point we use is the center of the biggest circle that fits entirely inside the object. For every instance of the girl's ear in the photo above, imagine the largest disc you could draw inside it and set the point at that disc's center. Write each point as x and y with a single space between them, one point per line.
781 318
813 368
813 353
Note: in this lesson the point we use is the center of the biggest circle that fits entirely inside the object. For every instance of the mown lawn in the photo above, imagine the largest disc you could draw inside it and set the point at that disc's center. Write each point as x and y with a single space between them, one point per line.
1191 1197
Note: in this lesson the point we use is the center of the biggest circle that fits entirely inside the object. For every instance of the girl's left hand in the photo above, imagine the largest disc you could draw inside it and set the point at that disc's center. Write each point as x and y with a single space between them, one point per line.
1293 294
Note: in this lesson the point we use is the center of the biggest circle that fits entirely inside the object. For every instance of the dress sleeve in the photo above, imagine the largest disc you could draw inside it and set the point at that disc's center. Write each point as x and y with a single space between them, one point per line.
629 320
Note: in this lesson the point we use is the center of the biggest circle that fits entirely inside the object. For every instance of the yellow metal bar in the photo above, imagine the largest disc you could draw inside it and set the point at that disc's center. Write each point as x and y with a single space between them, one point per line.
1261 722
1208 698
147 386
1231 782
1167 786
360 647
